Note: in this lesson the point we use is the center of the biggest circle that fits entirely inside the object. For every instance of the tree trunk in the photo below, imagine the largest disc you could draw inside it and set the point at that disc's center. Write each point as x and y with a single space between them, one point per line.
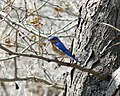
96 46
114 85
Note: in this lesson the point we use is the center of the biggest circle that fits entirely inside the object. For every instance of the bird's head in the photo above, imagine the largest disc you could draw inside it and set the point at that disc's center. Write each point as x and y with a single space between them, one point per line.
53 39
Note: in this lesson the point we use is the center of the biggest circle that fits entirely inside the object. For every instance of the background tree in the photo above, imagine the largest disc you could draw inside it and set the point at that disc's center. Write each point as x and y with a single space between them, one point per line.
97 45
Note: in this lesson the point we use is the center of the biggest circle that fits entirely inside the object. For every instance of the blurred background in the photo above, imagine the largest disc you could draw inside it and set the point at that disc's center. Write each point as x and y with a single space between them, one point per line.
25 26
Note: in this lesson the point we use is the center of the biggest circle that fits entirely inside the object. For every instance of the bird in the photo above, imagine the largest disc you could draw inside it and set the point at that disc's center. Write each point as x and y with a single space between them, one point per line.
59 48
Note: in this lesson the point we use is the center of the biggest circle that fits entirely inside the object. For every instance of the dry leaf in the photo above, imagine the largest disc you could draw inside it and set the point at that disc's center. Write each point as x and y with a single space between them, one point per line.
59 9
38 25
8 42
43 43
36 22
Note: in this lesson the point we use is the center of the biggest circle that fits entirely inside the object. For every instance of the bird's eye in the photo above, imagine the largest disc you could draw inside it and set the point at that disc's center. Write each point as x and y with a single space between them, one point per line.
53 39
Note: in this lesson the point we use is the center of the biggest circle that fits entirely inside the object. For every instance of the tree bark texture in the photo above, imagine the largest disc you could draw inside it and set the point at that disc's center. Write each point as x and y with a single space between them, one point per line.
97 46
114 85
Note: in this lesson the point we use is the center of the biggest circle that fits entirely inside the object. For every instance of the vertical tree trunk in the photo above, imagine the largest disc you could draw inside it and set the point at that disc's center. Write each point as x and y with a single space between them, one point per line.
95 46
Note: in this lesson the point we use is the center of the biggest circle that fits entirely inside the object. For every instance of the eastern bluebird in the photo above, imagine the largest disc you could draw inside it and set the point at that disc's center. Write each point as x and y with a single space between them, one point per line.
58 47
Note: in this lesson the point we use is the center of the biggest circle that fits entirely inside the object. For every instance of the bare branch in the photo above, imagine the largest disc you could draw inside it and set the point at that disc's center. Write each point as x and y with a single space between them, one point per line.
13 21
97 74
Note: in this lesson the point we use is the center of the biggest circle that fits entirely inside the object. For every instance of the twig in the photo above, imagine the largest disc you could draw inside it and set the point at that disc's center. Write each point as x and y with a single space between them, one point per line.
4 88
56 18
32 78
11 57
16 48
39 37
13 21
64 27
47 73
39 7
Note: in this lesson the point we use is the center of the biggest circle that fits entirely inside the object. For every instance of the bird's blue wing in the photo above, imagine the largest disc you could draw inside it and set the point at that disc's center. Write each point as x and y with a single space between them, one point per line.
61 46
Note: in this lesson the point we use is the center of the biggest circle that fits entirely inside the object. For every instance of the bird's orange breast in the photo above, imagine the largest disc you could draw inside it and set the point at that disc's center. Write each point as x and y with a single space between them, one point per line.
56 50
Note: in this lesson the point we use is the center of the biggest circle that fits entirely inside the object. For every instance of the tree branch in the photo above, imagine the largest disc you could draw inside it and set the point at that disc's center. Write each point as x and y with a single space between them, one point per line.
96 74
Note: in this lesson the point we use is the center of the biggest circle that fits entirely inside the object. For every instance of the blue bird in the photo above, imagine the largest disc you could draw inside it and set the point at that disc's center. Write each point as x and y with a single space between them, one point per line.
58 47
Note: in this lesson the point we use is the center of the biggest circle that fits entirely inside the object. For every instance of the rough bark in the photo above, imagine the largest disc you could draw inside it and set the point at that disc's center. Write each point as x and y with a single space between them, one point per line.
94 46
114 85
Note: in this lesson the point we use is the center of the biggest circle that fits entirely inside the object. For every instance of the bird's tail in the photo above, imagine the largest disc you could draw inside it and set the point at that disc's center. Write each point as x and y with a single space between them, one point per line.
72 56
